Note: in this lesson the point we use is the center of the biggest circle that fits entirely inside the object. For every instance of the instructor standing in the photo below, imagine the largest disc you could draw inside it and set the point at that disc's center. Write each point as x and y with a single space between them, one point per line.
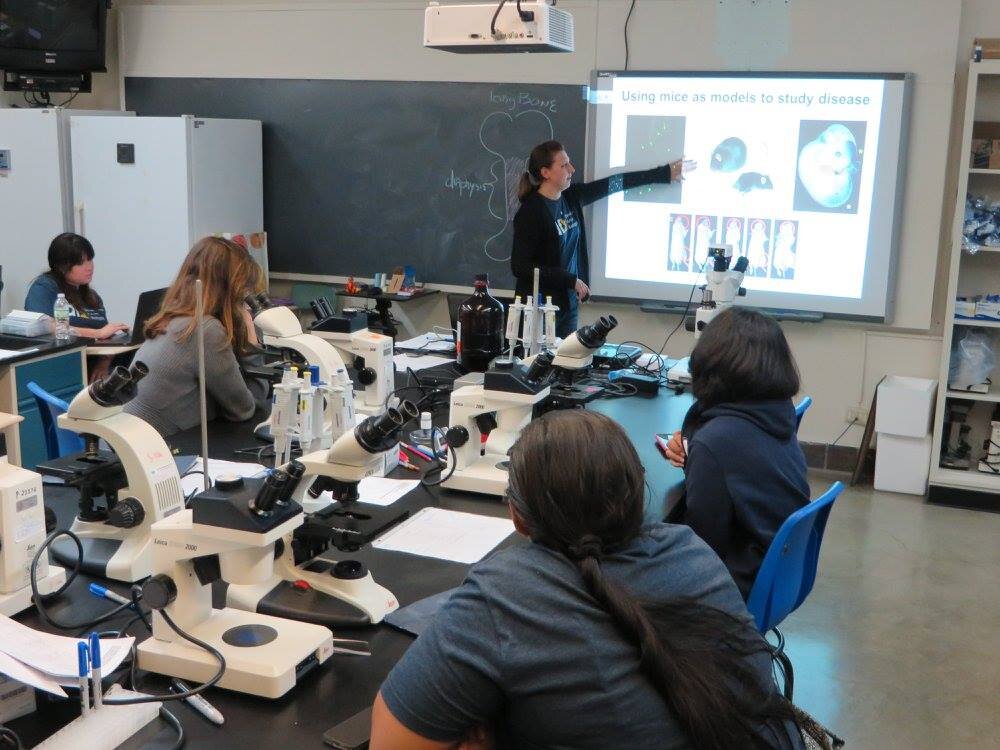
548 227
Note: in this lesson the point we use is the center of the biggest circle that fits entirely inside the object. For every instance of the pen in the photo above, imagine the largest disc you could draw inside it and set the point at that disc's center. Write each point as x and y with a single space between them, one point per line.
84 670
661 444
199 704
98 590
95 669
405 462
423 452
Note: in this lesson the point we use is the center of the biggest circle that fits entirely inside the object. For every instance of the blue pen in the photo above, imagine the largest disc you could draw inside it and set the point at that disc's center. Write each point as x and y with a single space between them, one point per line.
84 670
95 669
98 590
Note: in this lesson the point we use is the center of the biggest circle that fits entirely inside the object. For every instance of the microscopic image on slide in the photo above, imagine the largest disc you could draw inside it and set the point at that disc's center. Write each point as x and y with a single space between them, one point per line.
786 242
758 246
830 158
704 235
733 234
679 247
654 140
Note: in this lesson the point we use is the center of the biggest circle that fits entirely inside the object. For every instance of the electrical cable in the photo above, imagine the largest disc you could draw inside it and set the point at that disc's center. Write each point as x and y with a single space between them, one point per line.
176 724
493 23
181 695
687 307
849 426
39 599
63 104
9 738
438 466
627 19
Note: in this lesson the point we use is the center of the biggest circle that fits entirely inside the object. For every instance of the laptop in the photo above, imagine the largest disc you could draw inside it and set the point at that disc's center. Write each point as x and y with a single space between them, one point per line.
147 306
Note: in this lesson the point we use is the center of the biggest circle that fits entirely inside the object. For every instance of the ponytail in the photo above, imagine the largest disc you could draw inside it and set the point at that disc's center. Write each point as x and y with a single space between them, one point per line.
697 659
541 156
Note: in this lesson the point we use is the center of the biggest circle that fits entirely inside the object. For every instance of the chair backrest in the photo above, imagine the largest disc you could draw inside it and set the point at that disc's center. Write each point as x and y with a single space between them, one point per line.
58 442
788 571
800 410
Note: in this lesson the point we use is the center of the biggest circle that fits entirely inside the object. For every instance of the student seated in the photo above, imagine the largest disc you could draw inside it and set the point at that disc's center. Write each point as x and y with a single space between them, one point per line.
744 472
71 268
168 397
599 633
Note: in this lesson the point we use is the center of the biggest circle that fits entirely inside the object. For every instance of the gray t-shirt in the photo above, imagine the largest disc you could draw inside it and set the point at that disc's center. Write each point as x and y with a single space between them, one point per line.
168 397
522 647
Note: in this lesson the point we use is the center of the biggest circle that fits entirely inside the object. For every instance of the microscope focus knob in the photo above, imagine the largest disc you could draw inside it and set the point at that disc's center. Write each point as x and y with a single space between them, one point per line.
366 376
158 591
126 514
457 436
349 570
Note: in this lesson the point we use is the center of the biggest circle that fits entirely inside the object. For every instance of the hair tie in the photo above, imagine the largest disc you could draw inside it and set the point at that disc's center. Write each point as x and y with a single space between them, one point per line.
589 545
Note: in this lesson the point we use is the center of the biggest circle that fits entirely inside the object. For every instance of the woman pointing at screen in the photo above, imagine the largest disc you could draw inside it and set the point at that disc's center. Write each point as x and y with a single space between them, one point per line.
548 227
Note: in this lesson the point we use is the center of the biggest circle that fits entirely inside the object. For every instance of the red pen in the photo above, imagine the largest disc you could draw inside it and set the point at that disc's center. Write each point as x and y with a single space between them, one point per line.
405 462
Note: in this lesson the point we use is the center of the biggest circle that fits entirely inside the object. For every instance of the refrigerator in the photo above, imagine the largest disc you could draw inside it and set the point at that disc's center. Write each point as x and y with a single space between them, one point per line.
146 188
36 192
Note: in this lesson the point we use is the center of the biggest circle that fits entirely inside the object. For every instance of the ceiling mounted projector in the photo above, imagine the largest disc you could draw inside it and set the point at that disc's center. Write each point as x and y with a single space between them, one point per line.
493 27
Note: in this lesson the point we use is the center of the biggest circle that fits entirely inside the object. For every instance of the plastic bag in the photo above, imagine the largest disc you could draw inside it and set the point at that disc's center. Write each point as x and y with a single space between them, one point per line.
972 361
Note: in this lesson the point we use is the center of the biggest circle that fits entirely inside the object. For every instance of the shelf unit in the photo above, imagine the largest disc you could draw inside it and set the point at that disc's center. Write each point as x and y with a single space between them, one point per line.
970 488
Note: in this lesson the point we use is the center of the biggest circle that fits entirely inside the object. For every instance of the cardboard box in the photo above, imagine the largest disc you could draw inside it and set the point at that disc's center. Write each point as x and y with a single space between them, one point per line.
905 406
985 145
902 464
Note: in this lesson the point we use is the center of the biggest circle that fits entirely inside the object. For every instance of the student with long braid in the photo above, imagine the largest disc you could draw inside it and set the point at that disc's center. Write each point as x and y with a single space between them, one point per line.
599 633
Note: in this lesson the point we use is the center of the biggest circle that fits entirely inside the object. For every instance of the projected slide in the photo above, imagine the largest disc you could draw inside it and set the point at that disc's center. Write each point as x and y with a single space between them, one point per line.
797 173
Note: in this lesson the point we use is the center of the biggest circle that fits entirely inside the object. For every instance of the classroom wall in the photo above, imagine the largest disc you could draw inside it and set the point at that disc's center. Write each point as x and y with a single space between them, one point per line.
380 39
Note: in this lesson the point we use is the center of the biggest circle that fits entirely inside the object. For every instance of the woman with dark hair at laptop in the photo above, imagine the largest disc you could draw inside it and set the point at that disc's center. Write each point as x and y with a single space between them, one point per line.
71 268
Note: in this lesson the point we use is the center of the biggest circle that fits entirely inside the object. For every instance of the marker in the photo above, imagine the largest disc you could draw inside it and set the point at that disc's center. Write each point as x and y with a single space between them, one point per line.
404 461
199 704
661 444
98 590
95 669
83 663
419 450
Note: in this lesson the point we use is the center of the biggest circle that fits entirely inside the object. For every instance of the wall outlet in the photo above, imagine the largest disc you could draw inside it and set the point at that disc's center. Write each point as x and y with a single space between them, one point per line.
857 414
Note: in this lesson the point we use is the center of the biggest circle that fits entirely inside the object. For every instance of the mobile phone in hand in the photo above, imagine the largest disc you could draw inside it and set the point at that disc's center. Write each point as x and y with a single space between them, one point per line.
351 734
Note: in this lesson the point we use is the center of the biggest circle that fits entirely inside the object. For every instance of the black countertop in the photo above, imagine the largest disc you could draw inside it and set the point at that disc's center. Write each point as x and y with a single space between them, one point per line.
33 348
346 684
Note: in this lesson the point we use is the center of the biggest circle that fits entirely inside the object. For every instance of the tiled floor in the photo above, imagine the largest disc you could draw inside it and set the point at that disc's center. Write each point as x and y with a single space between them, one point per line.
898 646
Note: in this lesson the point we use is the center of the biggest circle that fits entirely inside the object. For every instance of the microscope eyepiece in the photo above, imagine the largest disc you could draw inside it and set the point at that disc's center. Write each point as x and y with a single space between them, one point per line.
255 307
105 391
741 264
593 336
377 434
264 301
138 371
540 366
270 492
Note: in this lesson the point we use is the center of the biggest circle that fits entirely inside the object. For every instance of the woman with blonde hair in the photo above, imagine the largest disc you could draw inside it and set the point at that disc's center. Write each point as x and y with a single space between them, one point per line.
168 397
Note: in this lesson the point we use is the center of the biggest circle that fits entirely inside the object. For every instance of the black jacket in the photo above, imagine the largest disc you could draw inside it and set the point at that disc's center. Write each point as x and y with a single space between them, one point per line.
744 475
536 242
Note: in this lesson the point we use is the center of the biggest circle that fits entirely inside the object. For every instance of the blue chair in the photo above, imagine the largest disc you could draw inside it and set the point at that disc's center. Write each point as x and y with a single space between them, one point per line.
58 442
800 410
788 571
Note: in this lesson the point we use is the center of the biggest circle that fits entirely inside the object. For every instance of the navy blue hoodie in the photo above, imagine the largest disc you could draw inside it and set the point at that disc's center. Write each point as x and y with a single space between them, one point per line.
744 475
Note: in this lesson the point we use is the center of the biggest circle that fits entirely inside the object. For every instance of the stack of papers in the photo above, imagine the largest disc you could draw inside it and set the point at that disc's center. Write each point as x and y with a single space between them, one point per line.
8 353
447 535
194 480
49 662
418 362
429 342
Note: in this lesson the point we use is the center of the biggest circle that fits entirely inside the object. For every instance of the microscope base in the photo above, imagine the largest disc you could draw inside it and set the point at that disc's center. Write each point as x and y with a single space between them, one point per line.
269 670
20 600
483 476
310 593
108 551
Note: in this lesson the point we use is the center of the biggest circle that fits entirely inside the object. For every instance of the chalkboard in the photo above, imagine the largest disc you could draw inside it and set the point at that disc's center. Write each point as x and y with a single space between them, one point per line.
363 176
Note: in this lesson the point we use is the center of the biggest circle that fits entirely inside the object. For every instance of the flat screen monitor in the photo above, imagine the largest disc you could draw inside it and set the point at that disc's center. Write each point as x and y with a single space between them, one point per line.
53 35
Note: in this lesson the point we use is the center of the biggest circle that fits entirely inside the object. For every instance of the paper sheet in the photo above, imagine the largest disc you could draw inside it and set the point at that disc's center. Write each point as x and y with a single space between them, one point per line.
419 362
447 535
29 676
429 342
195 482
380 491
55 655
8 353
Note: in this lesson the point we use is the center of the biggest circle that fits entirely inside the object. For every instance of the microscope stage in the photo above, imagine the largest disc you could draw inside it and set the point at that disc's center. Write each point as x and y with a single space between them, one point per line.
484 476
286 651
